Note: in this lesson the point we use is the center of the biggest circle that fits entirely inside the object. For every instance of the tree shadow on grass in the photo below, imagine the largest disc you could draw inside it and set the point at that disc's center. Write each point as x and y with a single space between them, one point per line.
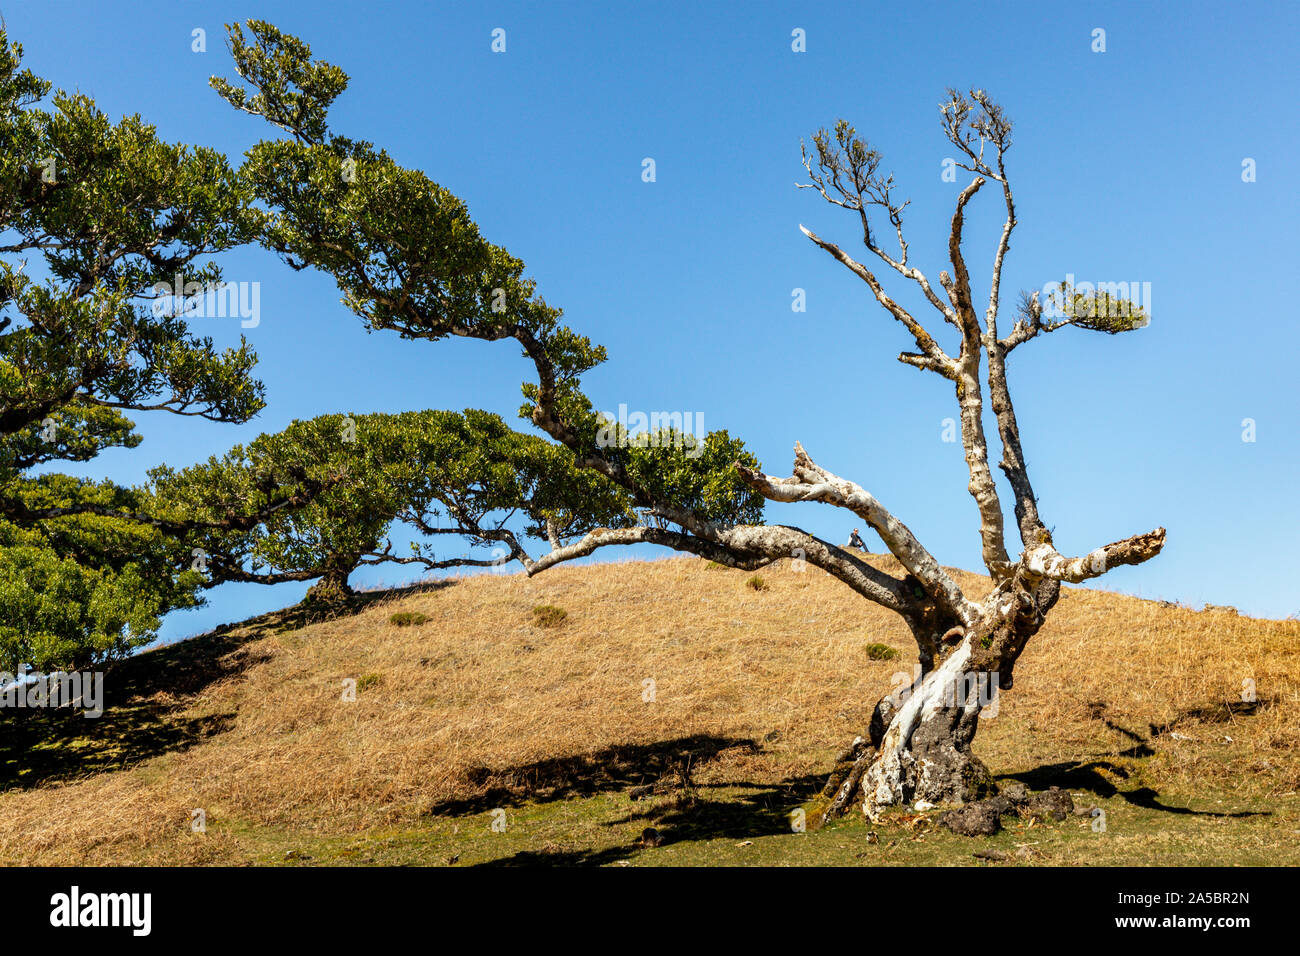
617 768
1094 776
145 702
671 803
761 810
144 699
690 817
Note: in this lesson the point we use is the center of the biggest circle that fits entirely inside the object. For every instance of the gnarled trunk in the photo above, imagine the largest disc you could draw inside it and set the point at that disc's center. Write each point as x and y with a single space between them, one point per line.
332 588
925 752
918 746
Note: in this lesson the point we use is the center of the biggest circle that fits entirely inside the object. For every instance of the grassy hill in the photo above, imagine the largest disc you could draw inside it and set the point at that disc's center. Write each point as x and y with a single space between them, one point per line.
478 710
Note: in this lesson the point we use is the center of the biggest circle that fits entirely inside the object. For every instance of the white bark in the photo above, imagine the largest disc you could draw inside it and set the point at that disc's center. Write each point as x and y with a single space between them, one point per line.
811 482
1045 561
925 342
885 782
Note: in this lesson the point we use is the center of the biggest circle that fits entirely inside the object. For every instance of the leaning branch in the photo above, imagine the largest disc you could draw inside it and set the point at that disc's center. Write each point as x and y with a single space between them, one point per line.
939 360
1045 561
810 482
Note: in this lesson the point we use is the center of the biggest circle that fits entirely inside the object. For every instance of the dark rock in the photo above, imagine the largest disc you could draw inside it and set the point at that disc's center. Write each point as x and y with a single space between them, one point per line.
952 774
1015 791
1054 804
996 856
973 819
1000 805
651 837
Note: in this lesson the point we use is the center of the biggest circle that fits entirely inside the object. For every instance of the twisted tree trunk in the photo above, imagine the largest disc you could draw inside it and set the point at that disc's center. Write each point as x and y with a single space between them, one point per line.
925 752
332 589
918 745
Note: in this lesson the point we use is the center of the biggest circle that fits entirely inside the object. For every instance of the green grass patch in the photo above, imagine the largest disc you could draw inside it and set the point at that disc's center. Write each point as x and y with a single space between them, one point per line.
548 615
728 829
407 618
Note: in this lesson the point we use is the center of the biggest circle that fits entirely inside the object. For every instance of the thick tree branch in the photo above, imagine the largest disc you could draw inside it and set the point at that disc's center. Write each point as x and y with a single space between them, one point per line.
749 548
810 482
1004 243
1045 561
970 399
1013 456
959 287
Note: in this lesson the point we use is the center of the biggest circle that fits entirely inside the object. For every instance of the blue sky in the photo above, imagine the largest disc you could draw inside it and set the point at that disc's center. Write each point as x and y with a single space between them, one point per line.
1127 166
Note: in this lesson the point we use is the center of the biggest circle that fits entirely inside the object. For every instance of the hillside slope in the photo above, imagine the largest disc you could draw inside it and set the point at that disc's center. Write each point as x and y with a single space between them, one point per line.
1133 705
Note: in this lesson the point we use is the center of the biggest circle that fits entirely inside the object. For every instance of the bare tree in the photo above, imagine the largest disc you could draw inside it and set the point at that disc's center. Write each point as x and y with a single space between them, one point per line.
708 502
918 744
921 749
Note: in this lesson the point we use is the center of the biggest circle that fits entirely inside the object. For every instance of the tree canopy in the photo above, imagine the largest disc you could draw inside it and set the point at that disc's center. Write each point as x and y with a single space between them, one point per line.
407 257
435 473
101 223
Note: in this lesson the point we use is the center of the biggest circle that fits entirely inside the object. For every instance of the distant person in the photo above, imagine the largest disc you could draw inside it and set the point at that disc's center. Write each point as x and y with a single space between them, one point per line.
855 541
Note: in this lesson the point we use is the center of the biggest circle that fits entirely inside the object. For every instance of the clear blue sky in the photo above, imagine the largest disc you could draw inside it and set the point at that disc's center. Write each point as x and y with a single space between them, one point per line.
1126 166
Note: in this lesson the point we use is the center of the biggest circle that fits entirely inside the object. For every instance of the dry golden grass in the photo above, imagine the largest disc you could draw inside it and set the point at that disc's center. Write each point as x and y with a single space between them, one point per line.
479 697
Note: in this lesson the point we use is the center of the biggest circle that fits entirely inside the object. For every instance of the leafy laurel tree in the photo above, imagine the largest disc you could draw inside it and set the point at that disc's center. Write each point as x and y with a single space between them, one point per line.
435 473
407 258
96 217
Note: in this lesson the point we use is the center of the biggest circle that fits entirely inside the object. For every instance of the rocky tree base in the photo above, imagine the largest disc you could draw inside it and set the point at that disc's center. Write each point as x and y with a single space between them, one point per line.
330 592
936 766
984 817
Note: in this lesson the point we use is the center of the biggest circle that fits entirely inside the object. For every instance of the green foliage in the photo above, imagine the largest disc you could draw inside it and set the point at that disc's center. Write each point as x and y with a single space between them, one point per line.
407 618
97 215
1097 310
342 524
114 213
706 484
300 91
548 615
403 249
76 432
756 583
60 613
881 652
84 589
407 257
693 474
413 467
